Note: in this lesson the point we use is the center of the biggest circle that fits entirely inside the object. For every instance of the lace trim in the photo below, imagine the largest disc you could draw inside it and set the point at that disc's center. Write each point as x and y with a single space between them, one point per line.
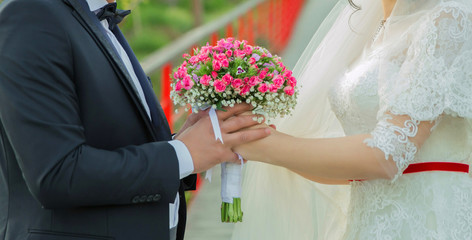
428 72
395 141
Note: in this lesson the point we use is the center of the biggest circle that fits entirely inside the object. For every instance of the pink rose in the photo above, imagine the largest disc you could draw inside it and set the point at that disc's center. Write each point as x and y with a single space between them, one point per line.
193 60
237 44
205 59
245 90
216 65
289 90
236 83
205 50
178 86
176 75
221 56
292 81
253 81
246 80
205 80
220 86
220 42
263 88
225 63
229 53
214 74
239 53
182 71
227 79
262 74
287 74
279 81
248 50
202 57
187 83
252 61
273 88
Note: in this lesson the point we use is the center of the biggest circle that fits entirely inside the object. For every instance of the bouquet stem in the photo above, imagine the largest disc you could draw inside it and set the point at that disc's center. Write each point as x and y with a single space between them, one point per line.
231 212
231 193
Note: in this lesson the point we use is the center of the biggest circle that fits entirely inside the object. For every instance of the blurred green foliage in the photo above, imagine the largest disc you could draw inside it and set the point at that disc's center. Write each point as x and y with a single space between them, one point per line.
155 23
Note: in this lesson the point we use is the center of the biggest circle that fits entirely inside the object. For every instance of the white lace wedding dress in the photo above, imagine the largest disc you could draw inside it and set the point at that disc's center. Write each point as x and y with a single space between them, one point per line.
420 73
411 89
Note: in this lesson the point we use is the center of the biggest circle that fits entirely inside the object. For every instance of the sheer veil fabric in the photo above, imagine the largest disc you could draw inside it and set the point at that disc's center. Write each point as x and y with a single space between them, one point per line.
279 204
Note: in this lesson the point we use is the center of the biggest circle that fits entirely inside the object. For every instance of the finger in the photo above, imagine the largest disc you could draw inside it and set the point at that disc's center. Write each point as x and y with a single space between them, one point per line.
246 136
229 156
239 122
201 113
231 111
244 161
235 159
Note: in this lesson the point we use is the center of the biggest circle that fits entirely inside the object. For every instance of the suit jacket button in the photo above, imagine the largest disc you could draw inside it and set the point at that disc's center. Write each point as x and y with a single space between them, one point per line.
156 197
149 198
143 198
135 199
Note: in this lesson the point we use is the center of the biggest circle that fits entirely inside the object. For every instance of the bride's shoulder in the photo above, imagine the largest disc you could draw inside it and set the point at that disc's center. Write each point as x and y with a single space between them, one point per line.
445 21
452 10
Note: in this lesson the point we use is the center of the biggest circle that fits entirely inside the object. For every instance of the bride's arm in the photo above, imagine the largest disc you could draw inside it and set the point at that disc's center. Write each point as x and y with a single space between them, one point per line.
330 158
327 181
337 160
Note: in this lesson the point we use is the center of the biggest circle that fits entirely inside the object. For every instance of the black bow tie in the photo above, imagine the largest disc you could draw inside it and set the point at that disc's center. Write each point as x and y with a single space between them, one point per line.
112 15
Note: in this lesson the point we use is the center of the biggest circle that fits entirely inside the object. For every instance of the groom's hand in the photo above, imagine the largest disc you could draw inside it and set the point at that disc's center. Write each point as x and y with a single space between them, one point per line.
191 120
206 151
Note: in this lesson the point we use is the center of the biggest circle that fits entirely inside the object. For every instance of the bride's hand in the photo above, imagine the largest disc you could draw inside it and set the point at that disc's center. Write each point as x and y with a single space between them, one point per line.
255 150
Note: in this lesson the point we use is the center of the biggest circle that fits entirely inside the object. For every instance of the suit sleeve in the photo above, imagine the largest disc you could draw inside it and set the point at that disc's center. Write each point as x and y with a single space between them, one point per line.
39 111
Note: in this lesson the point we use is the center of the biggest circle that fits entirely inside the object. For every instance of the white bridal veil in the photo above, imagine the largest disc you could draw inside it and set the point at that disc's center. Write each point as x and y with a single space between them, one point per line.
277 203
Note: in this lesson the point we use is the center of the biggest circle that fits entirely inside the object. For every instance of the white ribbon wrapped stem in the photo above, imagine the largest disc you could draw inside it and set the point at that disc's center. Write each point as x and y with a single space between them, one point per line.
217 131
230 172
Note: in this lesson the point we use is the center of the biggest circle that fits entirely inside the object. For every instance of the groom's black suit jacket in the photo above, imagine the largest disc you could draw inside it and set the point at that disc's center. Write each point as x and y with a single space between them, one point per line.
79 157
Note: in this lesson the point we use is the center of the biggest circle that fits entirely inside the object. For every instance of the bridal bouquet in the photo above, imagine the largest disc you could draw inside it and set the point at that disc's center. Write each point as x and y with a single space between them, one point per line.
229 73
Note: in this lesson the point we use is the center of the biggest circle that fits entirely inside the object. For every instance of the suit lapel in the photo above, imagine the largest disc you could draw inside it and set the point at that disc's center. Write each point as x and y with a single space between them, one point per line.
92 25
163 126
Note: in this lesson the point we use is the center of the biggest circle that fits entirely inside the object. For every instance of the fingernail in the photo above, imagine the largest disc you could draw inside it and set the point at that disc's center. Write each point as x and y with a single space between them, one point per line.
267 131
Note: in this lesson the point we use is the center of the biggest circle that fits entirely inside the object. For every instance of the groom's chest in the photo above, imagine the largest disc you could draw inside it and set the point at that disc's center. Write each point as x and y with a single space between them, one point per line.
107 103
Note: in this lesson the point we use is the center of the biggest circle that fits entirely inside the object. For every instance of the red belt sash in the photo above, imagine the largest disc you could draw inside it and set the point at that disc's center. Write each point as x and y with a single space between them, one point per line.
435 166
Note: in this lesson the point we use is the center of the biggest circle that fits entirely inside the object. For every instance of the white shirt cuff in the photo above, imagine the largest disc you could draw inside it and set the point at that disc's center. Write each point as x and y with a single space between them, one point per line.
185 159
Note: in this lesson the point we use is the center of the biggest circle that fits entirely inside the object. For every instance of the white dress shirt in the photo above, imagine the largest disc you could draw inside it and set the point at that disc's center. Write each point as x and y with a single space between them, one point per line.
183 155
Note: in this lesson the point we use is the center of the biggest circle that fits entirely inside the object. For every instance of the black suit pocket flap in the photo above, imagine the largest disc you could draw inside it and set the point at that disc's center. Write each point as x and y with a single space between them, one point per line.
51 235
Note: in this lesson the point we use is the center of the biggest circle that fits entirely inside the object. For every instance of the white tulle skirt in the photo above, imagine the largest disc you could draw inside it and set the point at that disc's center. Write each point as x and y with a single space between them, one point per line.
296 213
427 205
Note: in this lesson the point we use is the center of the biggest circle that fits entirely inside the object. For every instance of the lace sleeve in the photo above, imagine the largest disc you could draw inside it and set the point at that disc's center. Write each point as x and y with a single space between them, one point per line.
398 138
427 74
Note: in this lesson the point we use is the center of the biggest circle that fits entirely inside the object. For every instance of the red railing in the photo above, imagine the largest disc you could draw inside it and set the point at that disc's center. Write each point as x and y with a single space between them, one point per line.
269 24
